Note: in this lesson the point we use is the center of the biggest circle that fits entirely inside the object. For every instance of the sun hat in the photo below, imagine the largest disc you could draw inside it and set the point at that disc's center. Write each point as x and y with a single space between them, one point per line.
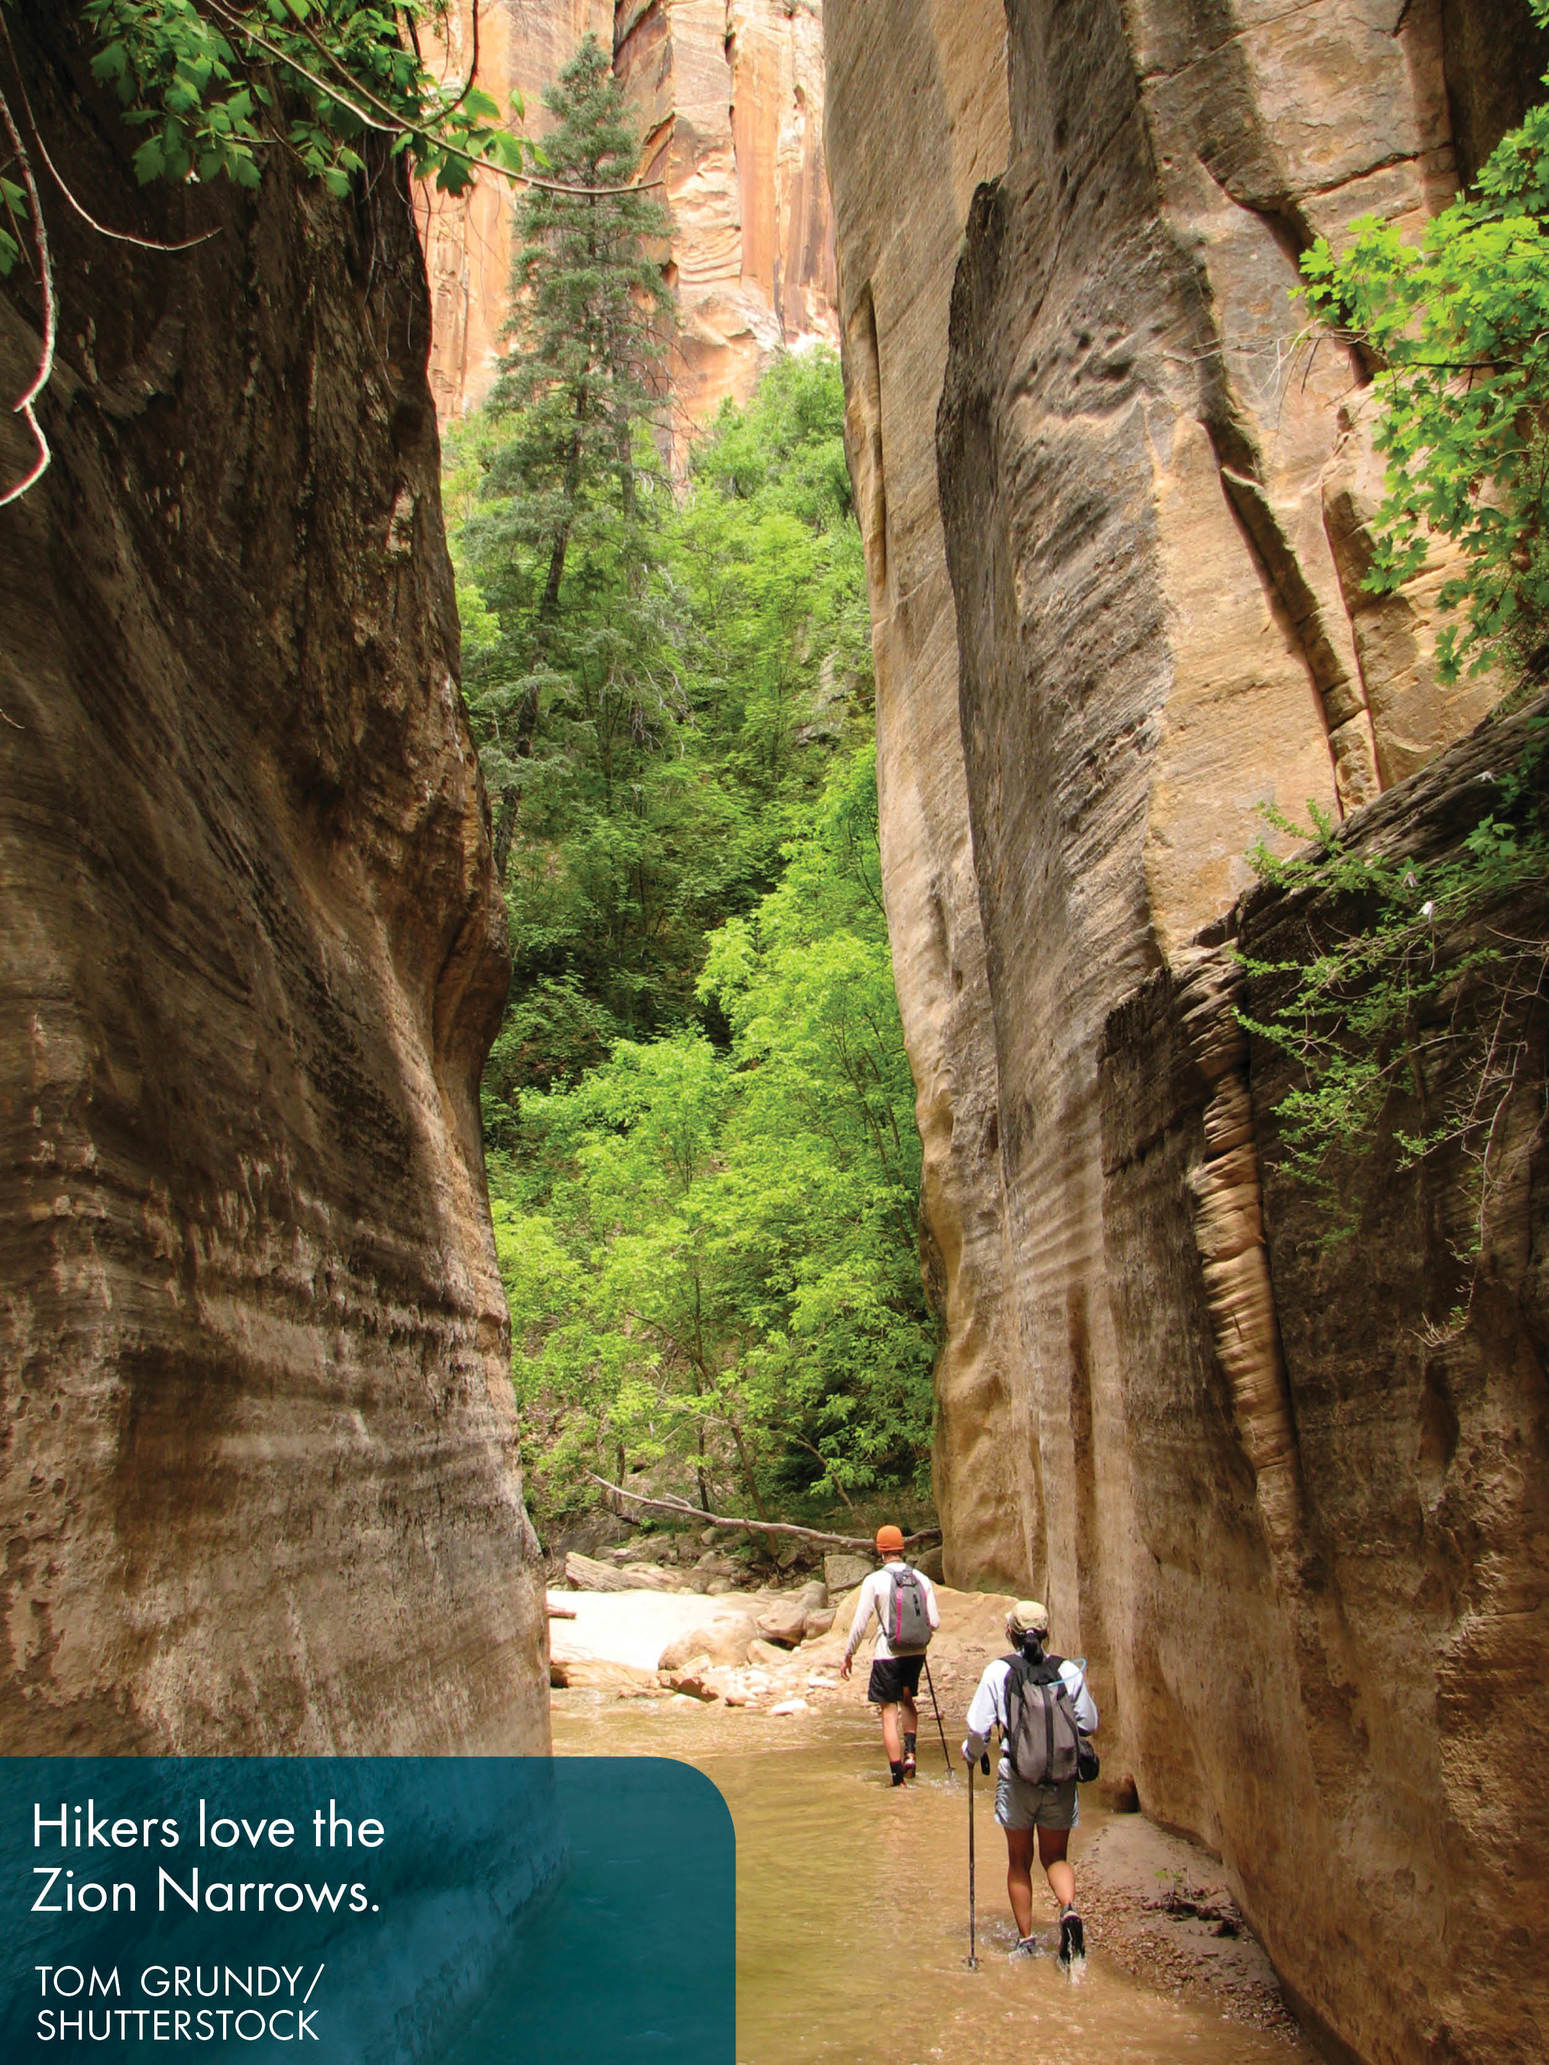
1027 1617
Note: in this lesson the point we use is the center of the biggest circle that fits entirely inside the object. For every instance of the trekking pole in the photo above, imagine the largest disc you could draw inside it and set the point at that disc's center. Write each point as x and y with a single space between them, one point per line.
973 1962
936 1704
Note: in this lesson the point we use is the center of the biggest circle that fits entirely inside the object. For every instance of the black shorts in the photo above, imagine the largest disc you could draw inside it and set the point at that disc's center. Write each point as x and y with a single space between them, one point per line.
892 1677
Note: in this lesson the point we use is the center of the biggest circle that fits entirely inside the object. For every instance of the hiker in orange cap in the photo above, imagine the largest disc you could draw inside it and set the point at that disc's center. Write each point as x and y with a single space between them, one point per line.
903 1601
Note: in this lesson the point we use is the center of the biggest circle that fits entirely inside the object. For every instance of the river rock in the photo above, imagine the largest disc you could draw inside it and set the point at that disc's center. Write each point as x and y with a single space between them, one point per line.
843 1569
725 1637
692 1677
790 1706
783 1621
818 1622
771 1655
599 1674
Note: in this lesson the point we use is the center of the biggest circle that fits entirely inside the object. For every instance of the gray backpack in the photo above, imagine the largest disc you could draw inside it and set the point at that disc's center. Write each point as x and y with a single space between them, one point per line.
905 1621
1041 1736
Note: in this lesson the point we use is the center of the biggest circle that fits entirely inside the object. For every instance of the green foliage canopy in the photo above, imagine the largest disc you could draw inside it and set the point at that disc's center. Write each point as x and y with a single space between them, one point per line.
712 1256
706 656
214 88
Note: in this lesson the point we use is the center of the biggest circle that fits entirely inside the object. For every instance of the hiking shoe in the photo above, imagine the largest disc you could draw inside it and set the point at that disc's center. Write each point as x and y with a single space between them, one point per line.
1028 1946
909 1763
1072 1939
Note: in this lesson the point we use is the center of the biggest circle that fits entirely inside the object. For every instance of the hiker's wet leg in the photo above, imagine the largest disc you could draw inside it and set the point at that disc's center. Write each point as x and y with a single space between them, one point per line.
1019 1877
1052 1846
892 1737
911 1713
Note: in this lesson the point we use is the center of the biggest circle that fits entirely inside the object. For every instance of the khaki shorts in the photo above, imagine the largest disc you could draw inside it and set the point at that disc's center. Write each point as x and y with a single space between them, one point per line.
1020 1805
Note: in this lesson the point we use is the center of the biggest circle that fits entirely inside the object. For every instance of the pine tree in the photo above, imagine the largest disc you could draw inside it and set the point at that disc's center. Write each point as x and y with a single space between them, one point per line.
571 414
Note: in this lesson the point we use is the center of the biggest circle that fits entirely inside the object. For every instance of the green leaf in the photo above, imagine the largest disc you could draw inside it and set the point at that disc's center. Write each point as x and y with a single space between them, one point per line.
149 160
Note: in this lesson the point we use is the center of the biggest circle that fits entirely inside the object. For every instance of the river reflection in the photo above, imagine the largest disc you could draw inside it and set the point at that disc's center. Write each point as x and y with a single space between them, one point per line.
852 1916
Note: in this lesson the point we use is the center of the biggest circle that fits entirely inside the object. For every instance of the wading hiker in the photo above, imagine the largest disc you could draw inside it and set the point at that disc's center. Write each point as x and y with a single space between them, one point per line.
1044 1712
903 1601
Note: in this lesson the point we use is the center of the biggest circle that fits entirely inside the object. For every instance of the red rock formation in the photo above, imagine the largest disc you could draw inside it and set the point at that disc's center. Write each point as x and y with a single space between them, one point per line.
522 45
730 100
258 1481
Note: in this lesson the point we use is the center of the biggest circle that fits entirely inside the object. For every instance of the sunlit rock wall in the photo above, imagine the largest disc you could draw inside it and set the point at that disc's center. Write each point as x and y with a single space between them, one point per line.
258 1480
917 119
729 96
1154 496
521 47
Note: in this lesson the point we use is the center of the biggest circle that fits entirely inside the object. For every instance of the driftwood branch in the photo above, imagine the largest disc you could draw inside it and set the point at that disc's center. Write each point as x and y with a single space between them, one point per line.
681 1509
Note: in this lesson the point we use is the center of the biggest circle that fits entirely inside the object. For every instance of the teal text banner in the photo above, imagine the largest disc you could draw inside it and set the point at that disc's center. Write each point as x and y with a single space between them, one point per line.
365 1911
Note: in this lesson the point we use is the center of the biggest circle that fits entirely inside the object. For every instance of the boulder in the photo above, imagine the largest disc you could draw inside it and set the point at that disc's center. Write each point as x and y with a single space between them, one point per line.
647 1629
843 1569
725 1637
769 1655
817 1623
692 1677
599 1674
784 1620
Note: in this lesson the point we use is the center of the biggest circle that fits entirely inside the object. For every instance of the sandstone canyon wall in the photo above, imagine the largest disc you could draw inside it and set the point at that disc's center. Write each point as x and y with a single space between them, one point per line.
1117 513
258 1480
729 95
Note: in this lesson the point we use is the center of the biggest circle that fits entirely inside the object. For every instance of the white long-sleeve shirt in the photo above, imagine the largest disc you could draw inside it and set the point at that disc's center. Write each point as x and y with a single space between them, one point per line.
872 1606
988 1707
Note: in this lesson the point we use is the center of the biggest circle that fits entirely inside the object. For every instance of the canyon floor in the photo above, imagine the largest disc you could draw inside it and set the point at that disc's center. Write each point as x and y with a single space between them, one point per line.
830 1857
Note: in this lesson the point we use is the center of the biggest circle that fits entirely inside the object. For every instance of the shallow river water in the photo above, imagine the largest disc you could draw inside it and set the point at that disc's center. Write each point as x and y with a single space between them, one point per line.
852 1908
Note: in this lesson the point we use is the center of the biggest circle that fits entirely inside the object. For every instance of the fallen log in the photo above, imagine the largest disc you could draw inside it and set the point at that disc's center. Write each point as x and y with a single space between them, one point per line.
584 1574
681 1509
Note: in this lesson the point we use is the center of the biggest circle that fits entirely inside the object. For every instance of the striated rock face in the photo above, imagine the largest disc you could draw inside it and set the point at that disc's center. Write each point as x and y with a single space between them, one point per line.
258 1481
1327 1522
909 141
1066 237
730 100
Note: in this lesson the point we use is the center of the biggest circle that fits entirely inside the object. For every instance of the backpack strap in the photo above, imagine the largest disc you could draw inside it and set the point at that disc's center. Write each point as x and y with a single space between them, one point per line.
892 1572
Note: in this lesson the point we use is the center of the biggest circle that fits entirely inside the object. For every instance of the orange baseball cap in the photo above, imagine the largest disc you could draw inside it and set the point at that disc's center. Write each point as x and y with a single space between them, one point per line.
890 1540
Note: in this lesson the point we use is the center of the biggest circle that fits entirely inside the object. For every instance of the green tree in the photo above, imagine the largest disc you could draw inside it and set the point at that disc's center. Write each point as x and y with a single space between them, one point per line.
706 661
712 1256
562 482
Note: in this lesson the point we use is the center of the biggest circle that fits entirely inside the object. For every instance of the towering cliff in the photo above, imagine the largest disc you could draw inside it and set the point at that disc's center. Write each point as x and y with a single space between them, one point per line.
1117 605
729 95
258 1480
